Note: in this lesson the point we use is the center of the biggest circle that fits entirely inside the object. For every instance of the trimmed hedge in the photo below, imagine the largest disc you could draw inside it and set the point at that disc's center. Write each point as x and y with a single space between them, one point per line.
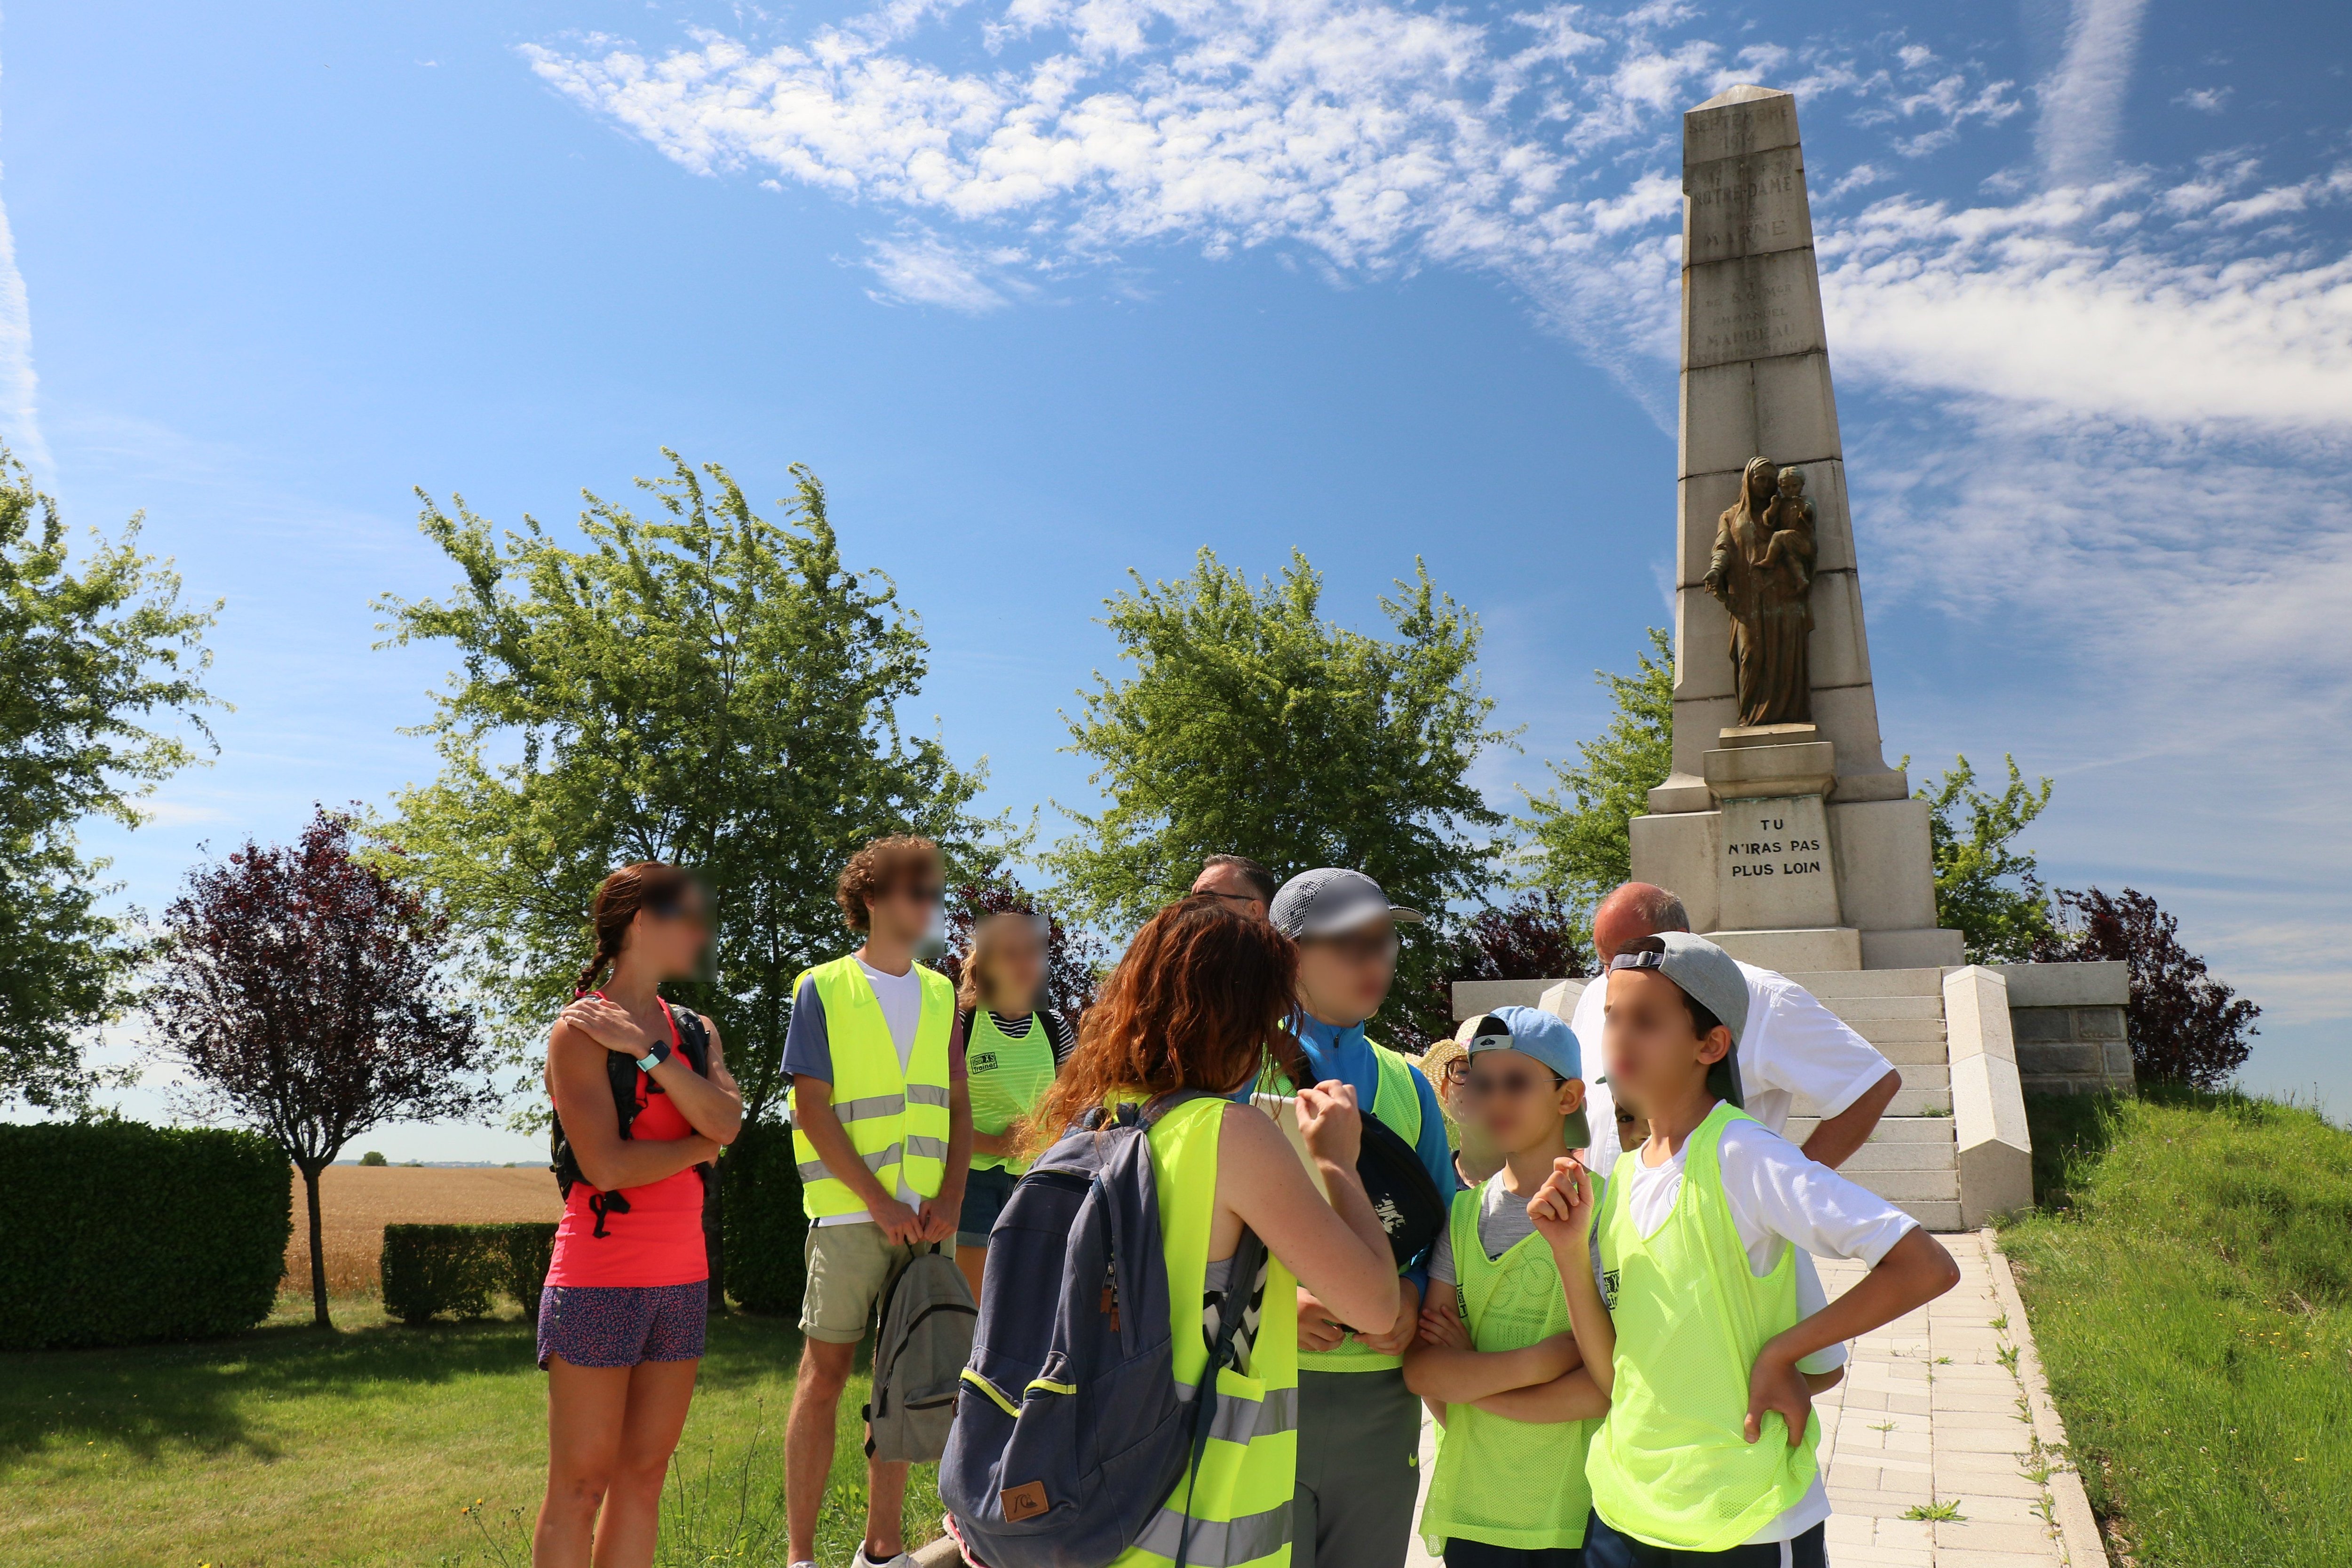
430 1271
121 1231
760 1182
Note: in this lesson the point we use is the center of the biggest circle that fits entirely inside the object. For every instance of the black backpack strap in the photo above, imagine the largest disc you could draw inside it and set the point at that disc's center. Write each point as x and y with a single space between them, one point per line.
1249 1258
694 1039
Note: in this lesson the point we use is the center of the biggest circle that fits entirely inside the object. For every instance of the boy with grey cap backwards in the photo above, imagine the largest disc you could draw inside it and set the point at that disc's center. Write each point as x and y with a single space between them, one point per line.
1358 1427
1694 1328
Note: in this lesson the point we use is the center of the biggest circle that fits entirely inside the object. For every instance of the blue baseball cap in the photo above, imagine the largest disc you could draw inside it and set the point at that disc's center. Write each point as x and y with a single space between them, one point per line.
1532 1032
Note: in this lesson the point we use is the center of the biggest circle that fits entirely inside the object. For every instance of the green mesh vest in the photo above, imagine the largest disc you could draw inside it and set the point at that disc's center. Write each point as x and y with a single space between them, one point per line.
1502 1482
1006 1078
1670 1464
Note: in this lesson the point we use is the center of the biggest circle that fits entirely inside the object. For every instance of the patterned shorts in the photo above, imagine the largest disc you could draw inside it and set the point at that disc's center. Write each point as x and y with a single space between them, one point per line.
621 1325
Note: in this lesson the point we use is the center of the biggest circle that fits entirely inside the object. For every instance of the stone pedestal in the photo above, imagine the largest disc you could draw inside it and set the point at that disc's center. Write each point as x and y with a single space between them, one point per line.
1791 842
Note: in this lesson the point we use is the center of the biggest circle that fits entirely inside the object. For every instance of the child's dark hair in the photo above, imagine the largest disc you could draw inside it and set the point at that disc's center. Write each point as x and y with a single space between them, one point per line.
1702 1019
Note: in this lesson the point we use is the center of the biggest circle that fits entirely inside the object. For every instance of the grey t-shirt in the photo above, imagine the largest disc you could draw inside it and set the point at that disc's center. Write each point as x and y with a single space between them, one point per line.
1503 1223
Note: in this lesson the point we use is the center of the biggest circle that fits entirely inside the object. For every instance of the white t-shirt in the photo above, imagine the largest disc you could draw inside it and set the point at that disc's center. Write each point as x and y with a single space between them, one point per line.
1776 1196
901 996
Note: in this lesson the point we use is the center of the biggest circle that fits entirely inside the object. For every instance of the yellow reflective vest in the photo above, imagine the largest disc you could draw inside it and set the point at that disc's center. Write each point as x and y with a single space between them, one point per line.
897 1121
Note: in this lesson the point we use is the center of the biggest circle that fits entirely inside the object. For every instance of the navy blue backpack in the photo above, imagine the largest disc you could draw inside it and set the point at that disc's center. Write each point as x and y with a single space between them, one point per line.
1070 1433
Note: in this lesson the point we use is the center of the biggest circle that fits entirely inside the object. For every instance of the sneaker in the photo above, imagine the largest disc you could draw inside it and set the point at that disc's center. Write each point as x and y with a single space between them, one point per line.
861 1561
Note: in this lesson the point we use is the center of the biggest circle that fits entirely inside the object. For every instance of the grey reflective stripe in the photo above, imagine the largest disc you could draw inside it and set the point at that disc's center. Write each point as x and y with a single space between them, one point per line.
871 1106
1240 1420
1217 1543
815 1170
925 1094
927 1148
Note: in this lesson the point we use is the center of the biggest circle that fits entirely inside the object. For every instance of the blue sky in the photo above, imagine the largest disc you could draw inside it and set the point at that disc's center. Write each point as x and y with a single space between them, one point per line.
1049 290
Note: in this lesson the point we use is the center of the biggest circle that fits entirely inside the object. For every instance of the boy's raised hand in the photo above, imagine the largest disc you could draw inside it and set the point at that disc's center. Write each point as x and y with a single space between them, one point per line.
1563 1207
1777 1384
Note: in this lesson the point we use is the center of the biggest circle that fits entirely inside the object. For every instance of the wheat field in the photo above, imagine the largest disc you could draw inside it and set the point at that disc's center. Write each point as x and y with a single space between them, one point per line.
356 1202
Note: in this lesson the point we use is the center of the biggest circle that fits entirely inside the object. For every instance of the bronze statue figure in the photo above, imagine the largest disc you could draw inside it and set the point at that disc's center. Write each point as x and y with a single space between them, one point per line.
1762 570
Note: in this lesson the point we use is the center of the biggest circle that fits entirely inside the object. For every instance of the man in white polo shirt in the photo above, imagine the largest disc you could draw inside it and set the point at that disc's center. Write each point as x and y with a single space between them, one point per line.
1792 1045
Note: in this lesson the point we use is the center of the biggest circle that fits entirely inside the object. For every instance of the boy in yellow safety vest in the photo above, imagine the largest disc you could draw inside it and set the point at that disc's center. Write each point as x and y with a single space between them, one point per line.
1359 1426
882 1133
1692 1324
1495 1357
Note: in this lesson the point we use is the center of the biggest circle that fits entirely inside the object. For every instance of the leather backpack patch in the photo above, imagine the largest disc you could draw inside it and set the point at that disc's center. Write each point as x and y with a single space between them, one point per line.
1026 1500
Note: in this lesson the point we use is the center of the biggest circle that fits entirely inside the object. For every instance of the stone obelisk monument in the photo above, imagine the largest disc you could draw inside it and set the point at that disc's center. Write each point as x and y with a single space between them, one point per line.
1791 841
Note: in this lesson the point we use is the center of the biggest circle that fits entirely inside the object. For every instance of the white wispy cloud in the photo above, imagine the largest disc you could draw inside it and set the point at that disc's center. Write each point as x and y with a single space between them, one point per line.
20 424
2082 102
2110 414
918 267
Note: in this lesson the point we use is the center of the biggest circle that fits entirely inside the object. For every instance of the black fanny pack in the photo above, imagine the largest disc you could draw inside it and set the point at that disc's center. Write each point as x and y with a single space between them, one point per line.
1405 1201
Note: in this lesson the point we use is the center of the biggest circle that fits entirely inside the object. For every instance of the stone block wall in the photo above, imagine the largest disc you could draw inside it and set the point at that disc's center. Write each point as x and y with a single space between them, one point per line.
2072 1051
2068 1019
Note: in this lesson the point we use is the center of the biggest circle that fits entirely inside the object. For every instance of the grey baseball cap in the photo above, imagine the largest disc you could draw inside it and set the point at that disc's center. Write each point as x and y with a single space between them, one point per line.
1328 900
1707 976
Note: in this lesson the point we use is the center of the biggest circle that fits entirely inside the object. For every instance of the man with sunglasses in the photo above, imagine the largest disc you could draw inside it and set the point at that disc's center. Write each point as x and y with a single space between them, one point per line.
882 1133
1359 1427
1237 883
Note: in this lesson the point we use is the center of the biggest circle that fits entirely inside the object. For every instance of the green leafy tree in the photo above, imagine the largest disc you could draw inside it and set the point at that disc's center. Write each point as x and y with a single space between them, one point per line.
1577 829
1986 888
706 686
100 700
1250 724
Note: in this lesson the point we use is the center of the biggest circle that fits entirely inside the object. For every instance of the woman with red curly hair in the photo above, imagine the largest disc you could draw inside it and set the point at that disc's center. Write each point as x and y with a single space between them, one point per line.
1188 1008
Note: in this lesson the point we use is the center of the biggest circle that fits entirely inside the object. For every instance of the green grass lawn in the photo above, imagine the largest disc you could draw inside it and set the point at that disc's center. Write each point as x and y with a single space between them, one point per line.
2189 1278
288 1446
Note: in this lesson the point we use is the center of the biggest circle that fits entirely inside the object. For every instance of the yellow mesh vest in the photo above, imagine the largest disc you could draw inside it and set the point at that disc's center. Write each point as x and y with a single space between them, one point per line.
1397 1103
1239 1500
1669 1464
1006 1078
1502 1482
894 1120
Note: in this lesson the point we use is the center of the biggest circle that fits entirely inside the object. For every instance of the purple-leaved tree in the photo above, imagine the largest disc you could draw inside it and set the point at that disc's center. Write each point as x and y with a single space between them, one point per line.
304 992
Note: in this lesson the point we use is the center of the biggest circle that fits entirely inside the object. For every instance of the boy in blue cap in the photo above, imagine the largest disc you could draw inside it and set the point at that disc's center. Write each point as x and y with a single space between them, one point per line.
1495 1357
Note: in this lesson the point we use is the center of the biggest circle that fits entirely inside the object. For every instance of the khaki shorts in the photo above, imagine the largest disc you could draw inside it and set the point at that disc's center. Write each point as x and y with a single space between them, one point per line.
849 1267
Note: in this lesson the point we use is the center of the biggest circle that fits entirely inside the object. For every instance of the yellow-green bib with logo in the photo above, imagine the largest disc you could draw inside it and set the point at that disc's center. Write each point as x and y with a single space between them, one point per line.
1506 1483
1670 1464
1006 1077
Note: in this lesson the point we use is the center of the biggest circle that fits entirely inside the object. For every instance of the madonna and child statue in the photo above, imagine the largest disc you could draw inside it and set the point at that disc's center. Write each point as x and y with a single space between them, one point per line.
1762 570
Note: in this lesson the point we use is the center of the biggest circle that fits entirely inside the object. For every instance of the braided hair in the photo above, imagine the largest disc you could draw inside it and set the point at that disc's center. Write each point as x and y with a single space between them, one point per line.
618 899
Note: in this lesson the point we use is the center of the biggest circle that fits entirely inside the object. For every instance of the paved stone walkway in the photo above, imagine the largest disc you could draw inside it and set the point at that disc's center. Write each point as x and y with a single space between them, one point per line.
1941 1446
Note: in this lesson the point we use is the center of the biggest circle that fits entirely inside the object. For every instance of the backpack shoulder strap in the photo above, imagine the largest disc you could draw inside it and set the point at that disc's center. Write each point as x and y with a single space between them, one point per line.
694 1038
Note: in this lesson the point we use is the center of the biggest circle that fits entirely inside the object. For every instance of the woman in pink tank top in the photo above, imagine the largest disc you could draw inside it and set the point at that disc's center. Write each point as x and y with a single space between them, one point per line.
620 1320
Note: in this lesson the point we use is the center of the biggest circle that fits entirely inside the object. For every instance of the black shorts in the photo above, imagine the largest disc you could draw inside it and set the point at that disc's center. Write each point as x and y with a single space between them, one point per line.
985 1192
1606 1548
1459 1553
